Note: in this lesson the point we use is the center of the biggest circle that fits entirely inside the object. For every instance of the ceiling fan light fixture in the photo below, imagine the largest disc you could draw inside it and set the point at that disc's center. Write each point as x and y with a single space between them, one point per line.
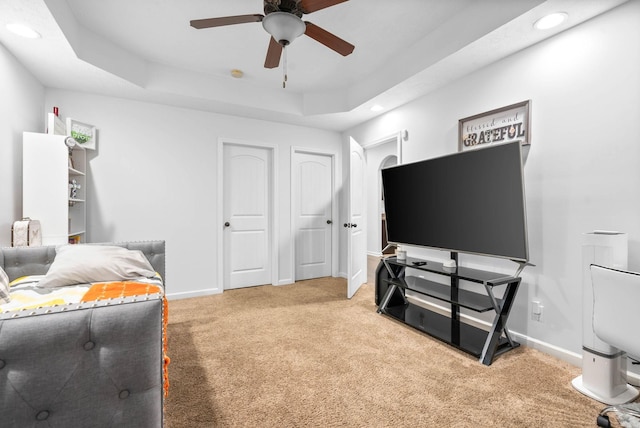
284 27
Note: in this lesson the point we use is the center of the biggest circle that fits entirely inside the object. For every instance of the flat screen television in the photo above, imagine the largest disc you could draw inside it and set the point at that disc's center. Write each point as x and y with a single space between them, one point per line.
470 202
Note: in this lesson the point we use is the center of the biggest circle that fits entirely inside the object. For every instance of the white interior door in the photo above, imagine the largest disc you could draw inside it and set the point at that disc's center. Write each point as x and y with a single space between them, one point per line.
356 237
312 198
247 185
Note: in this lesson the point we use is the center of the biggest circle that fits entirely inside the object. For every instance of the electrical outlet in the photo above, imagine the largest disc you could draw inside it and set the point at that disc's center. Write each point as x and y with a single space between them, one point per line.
536 311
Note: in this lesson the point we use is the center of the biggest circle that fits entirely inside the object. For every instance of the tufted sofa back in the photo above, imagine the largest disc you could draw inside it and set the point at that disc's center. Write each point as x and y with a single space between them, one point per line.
21 261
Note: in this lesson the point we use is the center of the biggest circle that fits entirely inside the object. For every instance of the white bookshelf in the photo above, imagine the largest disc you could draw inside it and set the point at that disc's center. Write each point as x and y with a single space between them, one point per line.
46 194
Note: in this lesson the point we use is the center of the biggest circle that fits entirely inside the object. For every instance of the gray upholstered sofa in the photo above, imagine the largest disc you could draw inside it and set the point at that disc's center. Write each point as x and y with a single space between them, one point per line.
97 364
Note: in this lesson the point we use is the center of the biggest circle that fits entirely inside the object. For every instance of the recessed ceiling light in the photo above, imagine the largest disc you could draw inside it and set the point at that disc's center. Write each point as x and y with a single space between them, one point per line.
377 107
237 73
23 31
550 21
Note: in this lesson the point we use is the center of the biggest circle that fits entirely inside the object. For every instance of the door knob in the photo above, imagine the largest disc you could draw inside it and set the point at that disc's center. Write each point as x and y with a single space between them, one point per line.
346 225
354 225
329 222
227 224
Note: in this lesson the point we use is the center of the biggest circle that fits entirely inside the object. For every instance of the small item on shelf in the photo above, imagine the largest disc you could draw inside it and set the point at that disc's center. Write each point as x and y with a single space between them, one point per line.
55 125
401 254
73 189
449 264
70 143
83 133
75 239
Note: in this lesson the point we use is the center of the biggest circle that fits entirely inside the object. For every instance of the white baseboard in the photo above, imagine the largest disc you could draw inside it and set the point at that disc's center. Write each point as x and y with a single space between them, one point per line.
547 348
374 253
198 293
342 275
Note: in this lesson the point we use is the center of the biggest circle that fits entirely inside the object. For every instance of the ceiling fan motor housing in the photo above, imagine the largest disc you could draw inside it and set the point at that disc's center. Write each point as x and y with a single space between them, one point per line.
289 6
283 26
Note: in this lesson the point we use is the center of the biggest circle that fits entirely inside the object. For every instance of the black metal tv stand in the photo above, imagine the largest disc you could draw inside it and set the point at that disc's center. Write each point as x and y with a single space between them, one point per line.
391 283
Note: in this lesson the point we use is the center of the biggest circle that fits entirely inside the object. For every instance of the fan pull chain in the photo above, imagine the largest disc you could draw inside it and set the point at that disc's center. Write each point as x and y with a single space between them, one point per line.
284 66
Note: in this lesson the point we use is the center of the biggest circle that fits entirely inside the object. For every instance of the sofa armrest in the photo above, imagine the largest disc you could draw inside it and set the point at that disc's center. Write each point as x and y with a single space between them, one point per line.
94 367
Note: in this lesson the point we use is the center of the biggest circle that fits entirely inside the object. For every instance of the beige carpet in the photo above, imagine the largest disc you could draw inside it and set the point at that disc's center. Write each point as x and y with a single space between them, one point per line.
302 355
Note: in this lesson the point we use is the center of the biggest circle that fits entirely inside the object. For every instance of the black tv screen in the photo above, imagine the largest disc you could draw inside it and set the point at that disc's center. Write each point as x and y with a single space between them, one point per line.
471 202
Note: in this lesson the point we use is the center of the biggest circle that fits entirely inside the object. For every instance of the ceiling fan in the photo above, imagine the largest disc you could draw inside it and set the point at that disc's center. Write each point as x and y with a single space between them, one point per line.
282 19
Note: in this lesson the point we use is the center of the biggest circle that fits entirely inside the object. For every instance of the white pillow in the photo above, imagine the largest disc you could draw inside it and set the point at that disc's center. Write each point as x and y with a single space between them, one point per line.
80 264
5 296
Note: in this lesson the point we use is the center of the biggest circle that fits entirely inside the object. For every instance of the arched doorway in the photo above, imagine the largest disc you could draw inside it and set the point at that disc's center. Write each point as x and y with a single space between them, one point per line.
387 162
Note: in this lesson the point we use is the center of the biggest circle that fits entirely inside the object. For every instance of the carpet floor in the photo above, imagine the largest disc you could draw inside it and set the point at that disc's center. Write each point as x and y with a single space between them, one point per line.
302 355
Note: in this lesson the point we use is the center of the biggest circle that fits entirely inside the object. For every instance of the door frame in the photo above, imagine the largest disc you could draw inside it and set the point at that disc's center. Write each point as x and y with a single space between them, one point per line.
397 137
273 204
334 209
381 202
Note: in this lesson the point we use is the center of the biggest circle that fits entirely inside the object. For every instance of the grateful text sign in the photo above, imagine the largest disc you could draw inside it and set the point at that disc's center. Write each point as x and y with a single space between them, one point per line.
506 124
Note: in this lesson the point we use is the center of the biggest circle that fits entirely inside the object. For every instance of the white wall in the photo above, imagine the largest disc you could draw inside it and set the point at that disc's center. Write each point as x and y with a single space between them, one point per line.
21 109
582 171
154 176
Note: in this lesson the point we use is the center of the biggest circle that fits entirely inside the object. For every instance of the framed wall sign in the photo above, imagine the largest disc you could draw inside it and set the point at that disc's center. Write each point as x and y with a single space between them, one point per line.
83 133
510 123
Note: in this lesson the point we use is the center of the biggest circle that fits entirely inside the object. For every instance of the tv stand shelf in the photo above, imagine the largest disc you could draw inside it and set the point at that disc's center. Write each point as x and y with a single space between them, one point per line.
466 299
482 344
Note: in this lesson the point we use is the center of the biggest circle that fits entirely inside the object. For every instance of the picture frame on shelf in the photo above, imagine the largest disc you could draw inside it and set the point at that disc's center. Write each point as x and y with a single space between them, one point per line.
84 134
55 125
502 125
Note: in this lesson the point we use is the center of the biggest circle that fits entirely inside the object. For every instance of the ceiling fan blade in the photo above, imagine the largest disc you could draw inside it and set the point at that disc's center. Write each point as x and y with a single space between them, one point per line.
328 39
309 6
227 20
274 52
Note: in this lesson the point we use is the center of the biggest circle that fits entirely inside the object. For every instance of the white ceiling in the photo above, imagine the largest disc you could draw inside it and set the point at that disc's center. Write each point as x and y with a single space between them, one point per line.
146 50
